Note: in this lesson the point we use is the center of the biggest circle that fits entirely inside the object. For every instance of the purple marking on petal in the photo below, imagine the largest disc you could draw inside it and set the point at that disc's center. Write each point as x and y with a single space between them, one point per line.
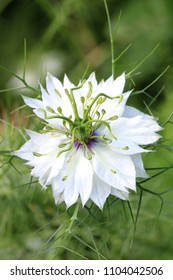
77 144
90 143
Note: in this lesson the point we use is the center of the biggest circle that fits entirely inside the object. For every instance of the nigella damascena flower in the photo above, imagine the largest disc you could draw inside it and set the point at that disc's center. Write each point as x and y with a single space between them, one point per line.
90 146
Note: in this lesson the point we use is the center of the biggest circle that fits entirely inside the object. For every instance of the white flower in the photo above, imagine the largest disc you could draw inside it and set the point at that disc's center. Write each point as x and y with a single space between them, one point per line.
90 146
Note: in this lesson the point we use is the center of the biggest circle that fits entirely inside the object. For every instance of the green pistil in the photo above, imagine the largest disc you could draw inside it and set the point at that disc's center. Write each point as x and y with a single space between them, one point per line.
99 99
104 123
83 133
72 99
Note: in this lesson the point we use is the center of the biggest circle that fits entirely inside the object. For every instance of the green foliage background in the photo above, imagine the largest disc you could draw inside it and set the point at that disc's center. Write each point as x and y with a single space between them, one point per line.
65 36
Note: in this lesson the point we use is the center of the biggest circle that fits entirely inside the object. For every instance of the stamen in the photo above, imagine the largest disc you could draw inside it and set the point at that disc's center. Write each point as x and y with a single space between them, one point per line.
71 145
113 171
37 154
103 112
125 148
121 98
98 114
80 86
63 145
82 99
90 90
65 124
88 154
50 109
108 140
44 112
58 92
99 99
64 178
72 101
51 129
113 118
97 136
59 109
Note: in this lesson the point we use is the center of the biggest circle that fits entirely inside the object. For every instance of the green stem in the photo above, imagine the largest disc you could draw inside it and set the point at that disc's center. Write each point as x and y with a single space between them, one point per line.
111 37
65 234
73 217
140 63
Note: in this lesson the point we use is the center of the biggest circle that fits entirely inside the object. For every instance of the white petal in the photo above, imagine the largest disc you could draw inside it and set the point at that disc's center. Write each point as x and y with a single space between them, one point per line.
59 97
49 100
26 151
131 112
56 166
92 79
41 168
32 102
67 187
46 142
58 196
54 86
67 83
126 147
113 87
100 191
120 194
115 169
83 178
46 166
139 130
119 83
78 173
140 171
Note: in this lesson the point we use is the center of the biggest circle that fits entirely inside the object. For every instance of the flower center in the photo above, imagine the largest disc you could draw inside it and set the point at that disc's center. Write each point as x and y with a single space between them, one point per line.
83 133
84 138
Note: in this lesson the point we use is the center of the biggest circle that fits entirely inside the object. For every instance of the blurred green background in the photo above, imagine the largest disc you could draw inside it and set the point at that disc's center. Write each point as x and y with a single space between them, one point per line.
70 36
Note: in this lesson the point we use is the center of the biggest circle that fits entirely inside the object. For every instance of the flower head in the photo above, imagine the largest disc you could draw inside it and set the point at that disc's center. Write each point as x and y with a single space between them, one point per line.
90 146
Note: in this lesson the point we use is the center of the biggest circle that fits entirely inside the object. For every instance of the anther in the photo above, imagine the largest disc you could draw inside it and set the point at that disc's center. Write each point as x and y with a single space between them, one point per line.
44 112
113 118
103 99
103 112
108 140
57 92
37 154
98 114
59 109
90 90
62 145
64 178
125 148
99 100
82 99
50 109
121 98
88 154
